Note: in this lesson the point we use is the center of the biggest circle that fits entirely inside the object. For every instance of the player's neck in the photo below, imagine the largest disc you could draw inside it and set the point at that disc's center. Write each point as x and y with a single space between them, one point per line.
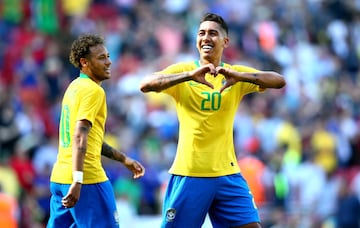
207 61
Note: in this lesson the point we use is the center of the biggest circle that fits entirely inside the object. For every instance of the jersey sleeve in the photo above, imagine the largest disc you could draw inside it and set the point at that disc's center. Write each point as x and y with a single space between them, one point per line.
89 104
176 69
247 87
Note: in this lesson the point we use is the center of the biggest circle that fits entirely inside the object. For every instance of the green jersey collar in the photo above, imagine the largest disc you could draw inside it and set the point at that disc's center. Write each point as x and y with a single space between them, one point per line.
82 75
197 63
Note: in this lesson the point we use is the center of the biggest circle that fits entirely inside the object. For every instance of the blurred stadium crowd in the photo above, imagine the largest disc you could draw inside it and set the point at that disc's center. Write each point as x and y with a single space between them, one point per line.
299 148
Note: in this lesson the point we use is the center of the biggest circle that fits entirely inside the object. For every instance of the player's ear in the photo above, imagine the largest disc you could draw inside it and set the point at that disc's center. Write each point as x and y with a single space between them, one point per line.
83 62
226 42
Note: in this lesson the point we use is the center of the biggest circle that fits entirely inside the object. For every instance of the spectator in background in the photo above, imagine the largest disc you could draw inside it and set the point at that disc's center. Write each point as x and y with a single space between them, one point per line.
22 165
9 130
348 207
205 172
254 170
9 210
9 181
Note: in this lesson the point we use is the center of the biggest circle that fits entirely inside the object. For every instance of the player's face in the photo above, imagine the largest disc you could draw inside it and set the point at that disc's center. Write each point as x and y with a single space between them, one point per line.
98 64
211 40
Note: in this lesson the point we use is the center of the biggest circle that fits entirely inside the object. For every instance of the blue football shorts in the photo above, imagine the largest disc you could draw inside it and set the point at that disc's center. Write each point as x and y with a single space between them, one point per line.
95 208
227 199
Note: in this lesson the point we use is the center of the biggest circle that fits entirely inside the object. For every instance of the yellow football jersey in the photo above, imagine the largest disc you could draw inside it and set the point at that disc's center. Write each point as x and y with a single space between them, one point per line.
83 99
206 118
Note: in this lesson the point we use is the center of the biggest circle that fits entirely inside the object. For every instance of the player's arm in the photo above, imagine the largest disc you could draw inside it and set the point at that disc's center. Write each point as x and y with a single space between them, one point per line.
134 166
265 79
160 81
81 132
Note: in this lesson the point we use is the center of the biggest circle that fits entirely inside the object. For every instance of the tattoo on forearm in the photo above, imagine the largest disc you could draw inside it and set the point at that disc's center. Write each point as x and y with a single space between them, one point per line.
84 129
255 78
111 153
107 151
82 149
81 139
166 81
162 81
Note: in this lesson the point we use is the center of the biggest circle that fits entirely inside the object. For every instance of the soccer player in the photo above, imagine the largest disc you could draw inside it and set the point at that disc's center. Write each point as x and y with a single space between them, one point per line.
82 195
205 176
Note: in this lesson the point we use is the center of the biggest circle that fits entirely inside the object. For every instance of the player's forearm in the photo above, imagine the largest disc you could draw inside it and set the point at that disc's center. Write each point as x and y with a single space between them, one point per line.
265 79
113 154
81 132
159 82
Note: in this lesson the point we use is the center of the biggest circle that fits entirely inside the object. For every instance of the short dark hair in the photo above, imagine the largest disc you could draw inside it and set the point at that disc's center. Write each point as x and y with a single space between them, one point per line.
80 48
216 18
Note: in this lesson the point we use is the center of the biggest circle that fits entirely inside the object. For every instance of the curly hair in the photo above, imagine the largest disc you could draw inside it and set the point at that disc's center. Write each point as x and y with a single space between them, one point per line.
80 48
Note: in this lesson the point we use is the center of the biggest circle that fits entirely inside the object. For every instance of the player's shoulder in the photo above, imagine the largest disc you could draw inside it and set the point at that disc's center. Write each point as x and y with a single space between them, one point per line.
181 67
240 67
188 64
86 85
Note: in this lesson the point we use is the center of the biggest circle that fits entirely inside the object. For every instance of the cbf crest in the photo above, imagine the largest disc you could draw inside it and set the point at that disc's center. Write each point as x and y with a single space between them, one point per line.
170 214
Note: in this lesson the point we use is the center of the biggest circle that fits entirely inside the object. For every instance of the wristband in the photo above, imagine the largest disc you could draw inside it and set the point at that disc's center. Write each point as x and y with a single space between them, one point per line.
78 176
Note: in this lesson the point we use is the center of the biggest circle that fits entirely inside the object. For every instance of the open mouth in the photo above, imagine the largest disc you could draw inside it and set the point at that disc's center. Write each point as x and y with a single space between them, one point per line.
206 47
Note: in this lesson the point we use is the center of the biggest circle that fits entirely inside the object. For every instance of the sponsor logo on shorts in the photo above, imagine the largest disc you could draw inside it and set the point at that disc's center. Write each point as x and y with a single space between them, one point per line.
170 214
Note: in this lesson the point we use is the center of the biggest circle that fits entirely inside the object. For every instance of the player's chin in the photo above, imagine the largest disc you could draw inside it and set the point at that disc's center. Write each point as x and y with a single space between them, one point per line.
206 54
107 75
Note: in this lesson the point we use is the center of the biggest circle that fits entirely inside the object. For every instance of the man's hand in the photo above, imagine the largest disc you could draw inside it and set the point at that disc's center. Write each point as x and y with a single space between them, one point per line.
230 80
198 74
135 167
72 196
